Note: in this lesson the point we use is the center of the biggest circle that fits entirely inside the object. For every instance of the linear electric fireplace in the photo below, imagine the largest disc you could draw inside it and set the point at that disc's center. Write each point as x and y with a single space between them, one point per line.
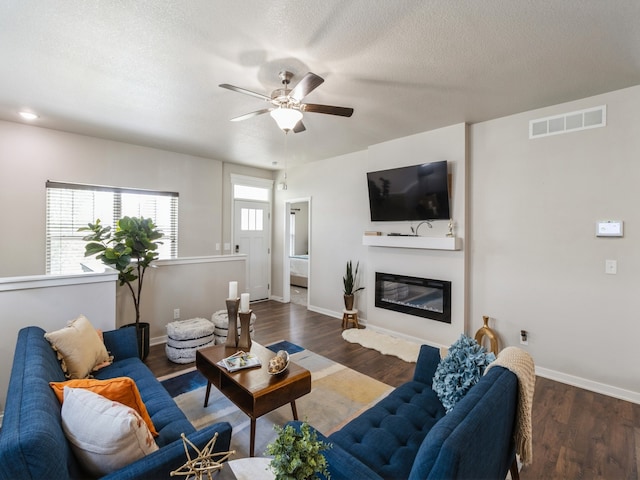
422 297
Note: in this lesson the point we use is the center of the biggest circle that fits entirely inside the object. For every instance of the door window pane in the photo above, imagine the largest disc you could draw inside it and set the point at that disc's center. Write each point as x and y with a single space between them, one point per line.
251 219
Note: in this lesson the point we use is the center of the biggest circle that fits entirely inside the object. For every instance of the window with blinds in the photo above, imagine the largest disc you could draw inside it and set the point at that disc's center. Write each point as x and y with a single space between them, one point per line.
72 206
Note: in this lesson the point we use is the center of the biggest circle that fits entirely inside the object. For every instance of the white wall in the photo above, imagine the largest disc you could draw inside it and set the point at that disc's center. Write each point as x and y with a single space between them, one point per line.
29 156
442 144
532 259
340 216
536 263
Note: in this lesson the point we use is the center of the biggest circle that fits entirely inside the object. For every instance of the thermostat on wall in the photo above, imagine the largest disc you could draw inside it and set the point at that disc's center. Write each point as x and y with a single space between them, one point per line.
609 228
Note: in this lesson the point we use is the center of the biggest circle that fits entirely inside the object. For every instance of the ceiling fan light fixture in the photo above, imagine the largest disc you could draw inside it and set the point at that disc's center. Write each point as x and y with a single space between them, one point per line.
286 118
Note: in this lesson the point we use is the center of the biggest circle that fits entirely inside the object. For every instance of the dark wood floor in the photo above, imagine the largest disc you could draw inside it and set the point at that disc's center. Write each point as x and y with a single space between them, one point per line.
577 434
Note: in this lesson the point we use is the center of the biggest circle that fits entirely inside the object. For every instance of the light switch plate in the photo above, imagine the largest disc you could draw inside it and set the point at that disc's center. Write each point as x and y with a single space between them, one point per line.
609 228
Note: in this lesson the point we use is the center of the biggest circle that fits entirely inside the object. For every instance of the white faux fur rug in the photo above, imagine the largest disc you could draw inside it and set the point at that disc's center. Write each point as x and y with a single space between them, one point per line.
385 344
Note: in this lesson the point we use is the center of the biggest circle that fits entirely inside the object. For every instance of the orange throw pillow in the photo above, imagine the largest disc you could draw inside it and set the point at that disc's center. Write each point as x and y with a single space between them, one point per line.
119 389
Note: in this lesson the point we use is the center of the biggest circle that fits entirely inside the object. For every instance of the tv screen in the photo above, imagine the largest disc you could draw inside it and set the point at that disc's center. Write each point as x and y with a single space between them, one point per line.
418 192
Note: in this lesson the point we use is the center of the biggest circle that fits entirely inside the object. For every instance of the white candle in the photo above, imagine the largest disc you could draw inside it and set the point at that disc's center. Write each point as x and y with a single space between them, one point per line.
244 302
233 290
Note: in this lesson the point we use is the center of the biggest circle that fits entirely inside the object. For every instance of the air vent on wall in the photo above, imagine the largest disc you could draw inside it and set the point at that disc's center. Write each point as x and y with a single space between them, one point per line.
568 122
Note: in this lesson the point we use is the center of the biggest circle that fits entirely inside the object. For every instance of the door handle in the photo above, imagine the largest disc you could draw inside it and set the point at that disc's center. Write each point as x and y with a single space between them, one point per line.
237 248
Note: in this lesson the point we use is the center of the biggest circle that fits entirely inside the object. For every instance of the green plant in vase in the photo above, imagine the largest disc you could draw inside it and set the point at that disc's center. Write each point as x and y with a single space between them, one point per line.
297 453
350 282
130 250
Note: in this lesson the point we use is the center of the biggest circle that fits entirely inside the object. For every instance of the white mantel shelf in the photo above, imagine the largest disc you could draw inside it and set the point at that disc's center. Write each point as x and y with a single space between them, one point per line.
428 243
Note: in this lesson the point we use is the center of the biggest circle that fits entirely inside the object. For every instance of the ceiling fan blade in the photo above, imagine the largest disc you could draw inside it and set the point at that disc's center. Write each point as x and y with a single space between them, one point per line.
328 109
308 84
251 115
245 91
299 127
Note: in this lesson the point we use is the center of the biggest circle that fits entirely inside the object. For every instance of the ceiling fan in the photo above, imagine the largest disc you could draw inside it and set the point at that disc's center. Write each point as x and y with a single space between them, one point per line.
287 106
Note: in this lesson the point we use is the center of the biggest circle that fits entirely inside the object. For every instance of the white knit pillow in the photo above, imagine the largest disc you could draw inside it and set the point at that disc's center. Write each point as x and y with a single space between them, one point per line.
104 435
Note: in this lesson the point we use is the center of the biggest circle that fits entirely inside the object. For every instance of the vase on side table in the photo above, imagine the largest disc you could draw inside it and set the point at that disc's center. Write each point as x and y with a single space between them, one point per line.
349 301
232 315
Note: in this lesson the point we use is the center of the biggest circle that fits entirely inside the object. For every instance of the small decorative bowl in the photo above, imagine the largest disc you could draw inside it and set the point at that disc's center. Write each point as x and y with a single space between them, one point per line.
279 363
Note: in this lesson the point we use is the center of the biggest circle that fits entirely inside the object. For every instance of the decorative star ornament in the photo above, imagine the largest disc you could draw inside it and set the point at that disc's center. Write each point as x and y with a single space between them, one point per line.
205 462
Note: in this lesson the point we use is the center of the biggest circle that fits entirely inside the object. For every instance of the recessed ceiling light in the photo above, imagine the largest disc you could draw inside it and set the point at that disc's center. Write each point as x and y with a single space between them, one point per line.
28 115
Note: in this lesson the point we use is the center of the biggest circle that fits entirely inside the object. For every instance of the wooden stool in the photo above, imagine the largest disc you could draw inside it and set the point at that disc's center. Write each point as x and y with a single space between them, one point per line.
349 316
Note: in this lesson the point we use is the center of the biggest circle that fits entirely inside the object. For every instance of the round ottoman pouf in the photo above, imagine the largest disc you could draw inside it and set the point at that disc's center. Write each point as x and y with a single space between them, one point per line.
184 337
220 321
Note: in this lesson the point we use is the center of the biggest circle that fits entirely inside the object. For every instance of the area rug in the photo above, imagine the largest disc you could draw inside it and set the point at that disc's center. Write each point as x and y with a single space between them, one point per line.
385 344
338 394
289 347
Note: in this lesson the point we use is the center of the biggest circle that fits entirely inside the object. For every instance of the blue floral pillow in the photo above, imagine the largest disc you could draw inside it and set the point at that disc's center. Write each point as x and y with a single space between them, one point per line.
460 370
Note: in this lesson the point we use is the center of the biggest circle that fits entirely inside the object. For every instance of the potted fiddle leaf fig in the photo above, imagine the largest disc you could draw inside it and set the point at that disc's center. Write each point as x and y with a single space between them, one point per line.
350 281
130 249
297 453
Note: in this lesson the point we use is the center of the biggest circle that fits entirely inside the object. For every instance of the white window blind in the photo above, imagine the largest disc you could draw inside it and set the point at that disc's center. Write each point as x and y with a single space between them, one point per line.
72 206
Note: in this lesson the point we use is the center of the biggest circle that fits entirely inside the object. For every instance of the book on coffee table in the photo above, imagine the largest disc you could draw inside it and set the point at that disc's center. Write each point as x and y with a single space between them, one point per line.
240 360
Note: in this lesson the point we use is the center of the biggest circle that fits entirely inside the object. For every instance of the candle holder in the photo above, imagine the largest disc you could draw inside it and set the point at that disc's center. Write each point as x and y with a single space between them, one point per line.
245 330
232 315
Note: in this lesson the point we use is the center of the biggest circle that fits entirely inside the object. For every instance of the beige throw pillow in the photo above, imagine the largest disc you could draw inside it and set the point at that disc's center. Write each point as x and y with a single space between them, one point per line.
79 348
104 435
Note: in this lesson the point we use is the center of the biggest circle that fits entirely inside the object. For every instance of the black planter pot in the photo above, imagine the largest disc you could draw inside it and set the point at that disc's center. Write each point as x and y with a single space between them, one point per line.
142 334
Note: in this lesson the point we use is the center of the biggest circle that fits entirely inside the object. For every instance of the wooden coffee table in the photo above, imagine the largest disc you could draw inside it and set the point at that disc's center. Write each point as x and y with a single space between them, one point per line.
253 390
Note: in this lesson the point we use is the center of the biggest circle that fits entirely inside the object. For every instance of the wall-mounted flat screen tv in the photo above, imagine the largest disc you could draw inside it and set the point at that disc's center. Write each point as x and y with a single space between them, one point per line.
418 192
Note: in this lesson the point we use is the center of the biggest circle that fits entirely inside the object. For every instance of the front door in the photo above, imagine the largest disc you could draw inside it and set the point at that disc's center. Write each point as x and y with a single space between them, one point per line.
251 237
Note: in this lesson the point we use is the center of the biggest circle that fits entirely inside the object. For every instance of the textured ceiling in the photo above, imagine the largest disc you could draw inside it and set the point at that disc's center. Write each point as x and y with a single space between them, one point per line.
147 72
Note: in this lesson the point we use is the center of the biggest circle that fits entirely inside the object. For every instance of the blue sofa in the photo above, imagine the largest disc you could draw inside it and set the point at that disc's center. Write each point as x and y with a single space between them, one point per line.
408 435
32 441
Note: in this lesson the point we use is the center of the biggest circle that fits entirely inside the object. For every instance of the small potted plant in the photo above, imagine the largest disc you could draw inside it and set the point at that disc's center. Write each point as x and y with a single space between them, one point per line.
350 281
297 453
129 250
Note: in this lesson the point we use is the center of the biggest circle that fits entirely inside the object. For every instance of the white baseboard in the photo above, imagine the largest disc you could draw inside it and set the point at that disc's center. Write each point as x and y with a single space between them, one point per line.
324 311
590 385
1 418
158 340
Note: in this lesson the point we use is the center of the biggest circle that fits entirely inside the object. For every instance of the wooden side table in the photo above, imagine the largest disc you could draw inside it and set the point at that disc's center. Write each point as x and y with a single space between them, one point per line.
350 316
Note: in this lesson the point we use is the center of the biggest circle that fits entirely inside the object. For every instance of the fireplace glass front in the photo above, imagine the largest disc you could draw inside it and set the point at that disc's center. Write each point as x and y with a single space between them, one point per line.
423 297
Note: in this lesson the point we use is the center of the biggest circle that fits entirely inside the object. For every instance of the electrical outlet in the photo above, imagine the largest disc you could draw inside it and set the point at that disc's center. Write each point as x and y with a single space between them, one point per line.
611 267
176 313
524 337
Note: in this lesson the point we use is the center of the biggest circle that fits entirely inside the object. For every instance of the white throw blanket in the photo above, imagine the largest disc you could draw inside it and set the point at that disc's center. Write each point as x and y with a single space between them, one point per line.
521 364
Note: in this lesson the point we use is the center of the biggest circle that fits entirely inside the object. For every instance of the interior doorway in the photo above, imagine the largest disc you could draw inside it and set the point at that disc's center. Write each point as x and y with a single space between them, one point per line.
297 251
